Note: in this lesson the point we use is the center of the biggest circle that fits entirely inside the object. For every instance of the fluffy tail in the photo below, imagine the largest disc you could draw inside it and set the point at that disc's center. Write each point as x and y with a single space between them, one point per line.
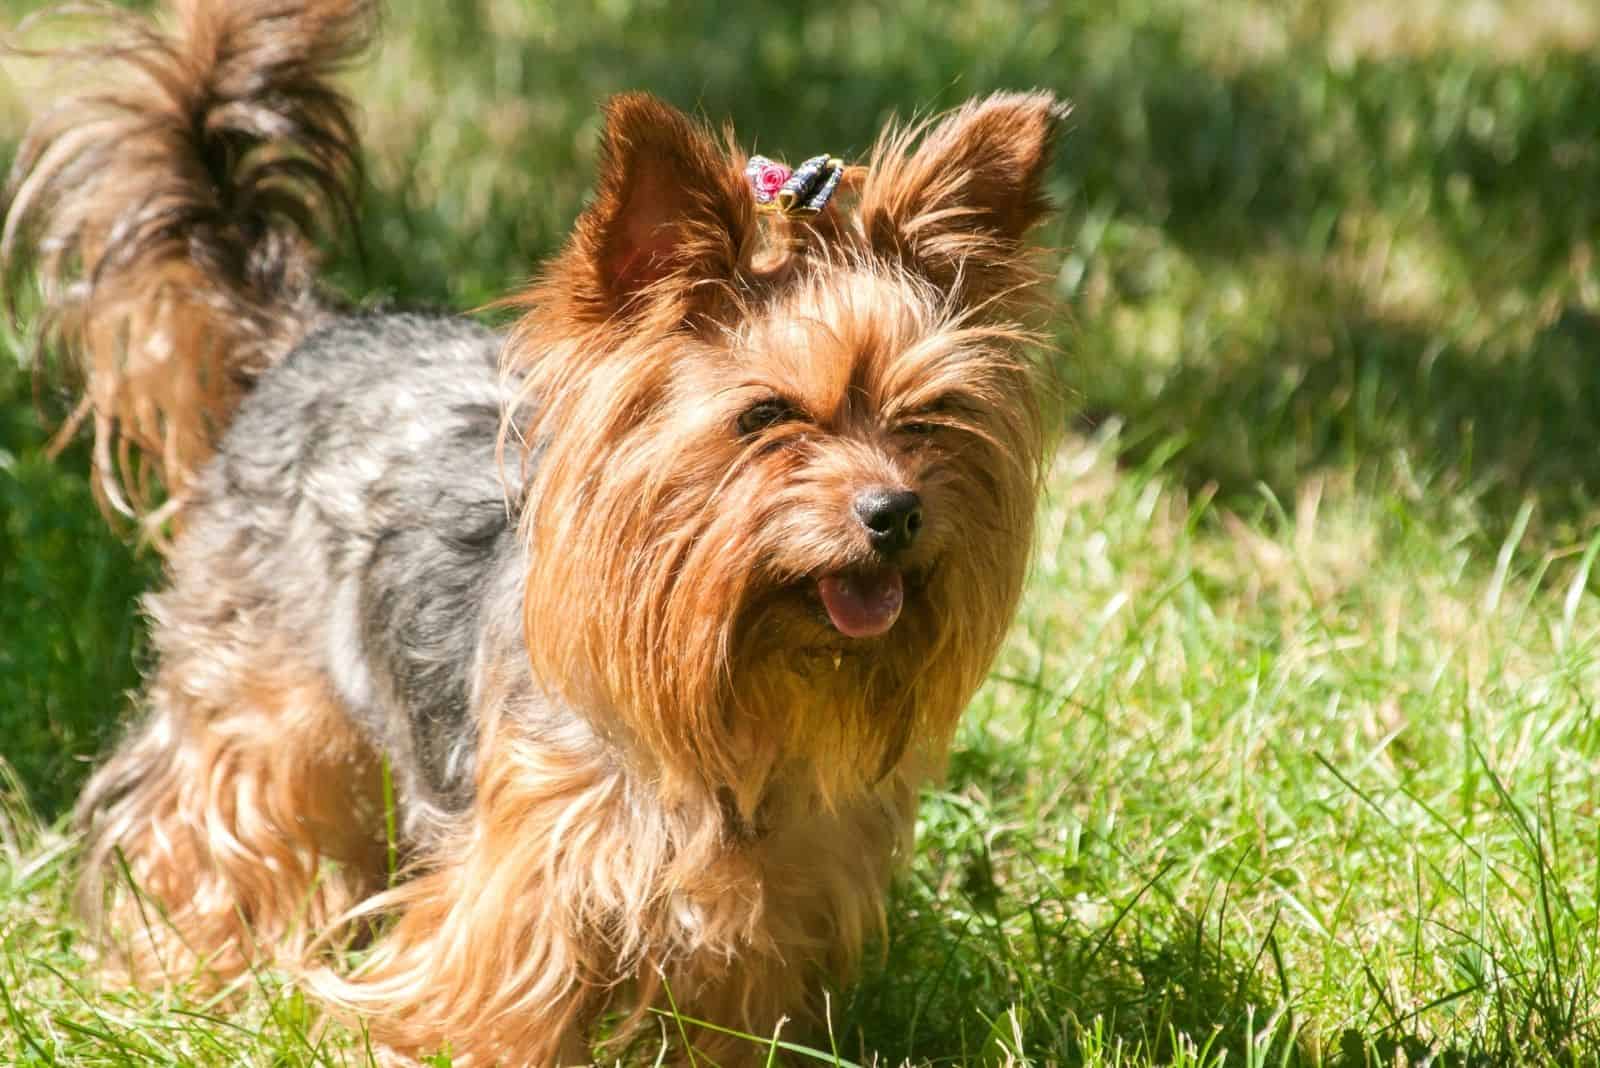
168 212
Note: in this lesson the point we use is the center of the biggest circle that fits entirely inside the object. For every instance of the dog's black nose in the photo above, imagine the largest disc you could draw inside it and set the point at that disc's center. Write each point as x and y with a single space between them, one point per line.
892 517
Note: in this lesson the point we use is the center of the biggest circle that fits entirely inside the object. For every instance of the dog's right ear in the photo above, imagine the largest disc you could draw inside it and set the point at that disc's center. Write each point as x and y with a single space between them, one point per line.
670 216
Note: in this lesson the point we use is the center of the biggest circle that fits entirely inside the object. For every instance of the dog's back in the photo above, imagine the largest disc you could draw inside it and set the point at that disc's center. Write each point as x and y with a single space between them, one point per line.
360 492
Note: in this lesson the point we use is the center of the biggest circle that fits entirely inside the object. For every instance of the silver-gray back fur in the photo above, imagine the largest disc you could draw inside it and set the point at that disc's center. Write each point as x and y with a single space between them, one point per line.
359 491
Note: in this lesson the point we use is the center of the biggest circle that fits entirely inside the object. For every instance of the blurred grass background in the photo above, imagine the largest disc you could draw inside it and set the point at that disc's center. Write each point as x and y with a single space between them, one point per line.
1292 755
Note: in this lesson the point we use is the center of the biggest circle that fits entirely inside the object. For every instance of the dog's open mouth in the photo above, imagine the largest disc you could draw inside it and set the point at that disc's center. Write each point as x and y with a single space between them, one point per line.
862 603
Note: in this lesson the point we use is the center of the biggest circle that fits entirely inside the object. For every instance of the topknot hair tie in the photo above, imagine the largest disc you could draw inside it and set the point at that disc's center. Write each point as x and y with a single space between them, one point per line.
805 190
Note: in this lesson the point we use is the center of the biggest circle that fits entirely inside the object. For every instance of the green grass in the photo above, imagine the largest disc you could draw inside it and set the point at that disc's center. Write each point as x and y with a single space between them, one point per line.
1291 758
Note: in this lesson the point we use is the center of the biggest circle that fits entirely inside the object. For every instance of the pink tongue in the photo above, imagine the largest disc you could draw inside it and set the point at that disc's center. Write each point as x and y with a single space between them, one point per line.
862 605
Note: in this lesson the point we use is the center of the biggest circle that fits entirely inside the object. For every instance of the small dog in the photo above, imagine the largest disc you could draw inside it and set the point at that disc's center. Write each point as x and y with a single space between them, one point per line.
654 612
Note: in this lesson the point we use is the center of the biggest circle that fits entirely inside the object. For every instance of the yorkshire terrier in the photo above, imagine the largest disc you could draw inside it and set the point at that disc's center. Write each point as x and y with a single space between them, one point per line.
653 612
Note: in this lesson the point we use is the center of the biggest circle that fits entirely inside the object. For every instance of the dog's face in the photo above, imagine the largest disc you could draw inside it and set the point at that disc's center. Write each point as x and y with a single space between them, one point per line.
786 470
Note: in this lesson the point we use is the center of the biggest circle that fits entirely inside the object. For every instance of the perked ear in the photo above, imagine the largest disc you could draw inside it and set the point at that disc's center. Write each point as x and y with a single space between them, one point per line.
957 208
671 212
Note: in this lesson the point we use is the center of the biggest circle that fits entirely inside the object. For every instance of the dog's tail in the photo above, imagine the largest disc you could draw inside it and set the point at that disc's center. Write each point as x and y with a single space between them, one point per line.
168 211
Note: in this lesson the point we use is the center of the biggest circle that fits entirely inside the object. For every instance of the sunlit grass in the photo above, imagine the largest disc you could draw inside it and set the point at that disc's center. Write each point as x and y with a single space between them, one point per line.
1290 758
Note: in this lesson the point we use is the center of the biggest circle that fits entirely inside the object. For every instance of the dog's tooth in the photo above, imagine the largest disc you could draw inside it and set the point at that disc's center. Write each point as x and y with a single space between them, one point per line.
837 657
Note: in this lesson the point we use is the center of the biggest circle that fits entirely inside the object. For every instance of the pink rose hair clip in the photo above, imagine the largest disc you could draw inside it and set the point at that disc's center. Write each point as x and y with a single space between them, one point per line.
805 190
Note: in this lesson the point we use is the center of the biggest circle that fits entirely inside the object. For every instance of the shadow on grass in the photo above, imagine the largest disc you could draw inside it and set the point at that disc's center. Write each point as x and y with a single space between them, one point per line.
1158 984
1501 421
961 986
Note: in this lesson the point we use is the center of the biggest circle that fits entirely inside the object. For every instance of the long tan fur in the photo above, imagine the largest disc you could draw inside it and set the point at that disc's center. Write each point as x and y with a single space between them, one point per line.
242 820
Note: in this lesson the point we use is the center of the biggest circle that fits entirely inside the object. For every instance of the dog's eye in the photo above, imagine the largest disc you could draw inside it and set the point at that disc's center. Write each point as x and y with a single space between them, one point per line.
928 419
764 414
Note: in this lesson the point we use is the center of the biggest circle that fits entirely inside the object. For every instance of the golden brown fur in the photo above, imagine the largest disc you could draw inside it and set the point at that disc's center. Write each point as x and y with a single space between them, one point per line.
575 892
236 826
687 776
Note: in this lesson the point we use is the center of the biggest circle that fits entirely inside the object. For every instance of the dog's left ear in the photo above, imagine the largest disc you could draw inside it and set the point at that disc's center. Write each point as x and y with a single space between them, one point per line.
671 213
956 208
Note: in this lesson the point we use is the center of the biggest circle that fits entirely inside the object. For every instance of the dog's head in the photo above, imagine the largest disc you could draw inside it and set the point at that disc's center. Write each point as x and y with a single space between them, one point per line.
786 467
